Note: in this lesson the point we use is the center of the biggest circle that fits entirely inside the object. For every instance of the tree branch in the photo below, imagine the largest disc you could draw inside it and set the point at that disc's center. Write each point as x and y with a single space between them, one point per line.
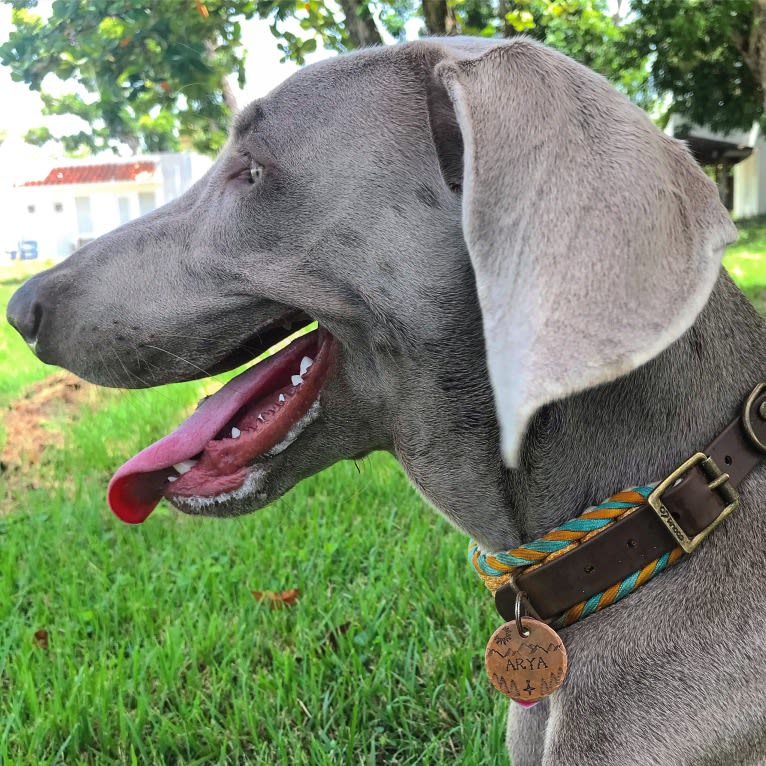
228 94
360 24
439 17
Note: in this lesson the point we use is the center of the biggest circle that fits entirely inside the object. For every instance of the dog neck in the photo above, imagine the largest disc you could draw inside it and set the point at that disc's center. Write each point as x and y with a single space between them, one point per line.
637 429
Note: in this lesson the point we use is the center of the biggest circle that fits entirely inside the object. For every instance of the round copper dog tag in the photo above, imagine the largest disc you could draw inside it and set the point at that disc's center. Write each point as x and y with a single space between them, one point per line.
526 668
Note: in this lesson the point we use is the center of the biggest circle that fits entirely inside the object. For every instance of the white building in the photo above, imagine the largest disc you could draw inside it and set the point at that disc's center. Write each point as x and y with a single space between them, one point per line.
737 160
78 201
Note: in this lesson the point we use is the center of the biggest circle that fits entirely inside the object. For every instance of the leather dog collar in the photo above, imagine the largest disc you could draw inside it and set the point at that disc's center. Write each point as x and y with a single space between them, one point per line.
607 552
678 513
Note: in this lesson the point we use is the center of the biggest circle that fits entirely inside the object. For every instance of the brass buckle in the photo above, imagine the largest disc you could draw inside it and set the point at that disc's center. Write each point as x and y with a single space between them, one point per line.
719 482
746 420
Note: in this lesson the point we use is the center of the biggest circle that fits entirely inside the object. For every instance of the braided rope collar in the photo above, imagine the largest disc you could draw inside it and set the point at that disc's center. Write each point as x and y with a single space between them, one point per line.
497 569
583 566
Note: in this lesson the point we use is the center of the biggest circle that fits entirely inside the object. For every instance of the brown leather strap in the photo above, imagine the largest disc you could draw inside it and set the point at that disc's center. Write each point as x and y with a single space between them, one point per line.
638 539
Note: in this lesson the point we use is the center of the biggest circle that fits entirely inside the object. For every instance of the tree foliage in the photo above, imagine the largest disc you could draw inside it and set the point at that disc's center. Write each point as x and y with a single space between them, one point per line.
583 29
146 74
587 31
706 54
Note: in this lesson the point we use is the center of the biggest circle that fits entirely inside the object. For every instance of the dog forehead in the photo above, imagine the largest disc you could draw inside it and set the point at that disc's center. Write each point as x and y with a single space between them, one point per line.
371 84
325 88
343 102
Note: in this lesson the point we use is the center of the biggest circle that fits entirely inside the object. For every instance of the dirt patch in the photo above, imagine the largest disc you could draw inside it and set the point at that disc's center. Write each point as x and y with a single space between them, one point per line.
35 421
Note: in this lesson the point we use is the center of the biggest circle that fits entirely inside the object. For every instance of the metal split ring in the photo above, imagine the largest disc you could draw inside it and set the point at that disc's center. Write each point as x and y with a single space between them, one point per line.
519 610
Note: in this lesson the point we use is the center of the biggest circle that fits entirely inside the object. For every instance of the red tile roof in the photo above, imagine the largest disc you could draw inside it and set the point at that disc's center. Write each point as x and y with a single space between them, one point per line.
89 174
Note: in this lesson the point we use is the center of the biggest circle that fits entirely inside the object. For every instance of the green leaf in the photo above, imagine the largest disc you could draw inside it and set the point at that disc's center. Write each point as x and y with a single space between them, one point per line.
520 20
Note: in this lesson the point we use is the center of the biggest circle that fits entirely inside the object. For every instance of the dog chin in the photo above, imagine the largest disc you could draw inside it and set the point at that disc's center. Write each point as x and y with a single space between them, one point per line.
250 496
255 492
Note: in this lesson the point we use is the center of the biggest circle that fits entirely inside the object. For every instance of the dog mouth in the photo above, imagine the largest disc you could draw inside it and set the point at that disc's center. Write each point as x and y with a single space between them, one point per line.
221 448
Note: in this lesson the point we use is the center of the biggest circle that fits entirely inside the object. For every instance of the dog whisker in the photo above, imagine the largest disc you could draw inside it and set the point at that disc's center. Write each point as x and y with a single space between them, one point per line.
128 372
145 362
135 376
205 372
189 337
107 370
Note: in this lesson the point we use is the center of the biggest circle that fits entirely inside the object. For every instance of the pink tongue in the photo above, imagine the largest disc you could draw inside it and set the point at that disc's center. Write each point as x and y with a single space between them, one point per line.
137 486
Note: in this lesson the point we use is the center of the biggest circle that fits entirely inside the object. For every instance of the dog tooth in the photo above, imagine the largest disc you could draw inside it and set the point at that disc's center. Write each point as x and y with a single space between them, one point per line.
306 362
172 478
281 397
235 432
260 417
296 380
185 466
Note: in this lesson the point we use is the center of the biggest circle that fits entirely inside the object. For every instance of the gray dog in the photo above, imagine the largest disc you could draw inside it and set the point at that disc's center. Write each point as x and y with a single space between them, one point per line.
519 294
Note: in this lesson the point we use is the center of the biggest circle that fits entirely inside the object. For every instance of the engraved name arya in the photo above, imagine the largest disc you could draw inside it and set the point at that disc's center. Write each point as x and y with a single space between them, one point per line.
526 663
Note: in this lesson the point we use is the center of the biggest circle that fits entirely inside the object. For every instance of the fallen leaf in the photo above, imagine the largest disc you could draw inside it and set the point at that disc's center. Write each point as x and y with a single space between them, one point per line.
276 600
41 638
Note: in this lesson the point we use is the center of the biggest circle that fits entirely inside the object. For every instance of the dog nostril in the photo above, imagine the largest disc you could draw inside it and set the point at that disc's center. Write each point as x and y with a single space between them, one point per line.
25 312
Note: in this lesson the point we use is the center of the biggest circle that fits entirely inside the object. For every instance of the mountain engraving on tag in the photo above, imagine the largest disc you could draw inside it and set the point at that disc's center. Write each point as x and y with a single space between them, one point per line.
526 668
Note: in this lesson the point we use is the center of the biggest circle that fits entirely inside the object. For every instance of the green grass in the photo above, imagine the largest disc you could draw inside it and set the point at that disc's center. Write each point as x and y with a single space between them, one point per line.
18 367
159 654
746 261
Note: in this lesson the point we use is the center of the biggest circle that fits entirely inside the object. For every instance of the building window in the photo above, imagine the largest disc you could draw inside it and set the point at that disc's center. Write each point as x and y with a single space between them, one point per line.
124 204
84 217
58 207
30 208
146 202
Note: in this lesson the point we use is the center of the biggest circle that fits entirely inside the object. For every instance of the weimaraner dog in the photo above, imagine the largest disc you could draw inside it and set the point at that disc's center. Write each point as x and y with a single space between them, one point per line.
518 285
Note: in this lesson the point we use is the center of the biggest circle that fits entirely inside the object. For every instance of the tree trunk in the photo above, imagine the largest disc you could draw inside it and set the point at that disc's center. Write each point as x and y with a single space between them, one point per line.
228 95
439 17
502 9
360 24
722 181
760 22
753 49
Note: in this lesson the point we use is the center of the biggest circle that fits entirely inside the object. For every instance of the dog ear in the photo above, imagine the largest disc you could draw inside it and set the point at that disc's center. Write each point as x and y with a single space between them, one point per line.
595 239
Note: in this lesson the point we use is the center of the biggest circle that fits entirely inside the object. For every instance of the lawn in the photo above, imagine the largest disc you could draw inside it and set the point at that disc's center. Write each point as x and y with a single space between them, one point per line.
145 645
746 261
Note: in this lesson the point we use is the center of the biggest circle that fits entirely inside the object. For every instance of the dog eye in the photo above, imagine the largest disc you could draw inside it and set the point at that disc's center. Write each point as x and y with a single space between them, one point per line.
255 172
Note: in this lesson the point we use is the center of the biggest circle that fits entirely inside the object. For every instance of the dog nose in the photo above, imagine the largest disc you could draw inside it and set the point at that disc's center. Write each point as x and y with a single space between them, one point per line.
25 312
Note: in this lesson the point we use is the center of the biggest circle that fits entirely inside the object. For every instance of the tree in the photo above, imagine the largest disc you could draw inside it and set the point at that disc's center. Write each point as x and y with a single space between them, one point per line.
587 31
146 74
353 27
583 29
709 56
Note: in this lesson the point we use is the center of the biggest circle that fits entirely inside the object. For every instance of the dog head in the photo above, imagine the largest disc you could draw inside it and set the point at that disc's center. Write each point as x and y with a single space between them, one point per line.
479 228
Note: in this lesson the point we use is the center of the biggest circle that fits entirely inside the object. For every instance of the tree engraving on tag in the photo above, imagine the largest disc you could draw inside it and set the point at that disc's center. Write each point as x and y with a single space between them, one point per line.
526 668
